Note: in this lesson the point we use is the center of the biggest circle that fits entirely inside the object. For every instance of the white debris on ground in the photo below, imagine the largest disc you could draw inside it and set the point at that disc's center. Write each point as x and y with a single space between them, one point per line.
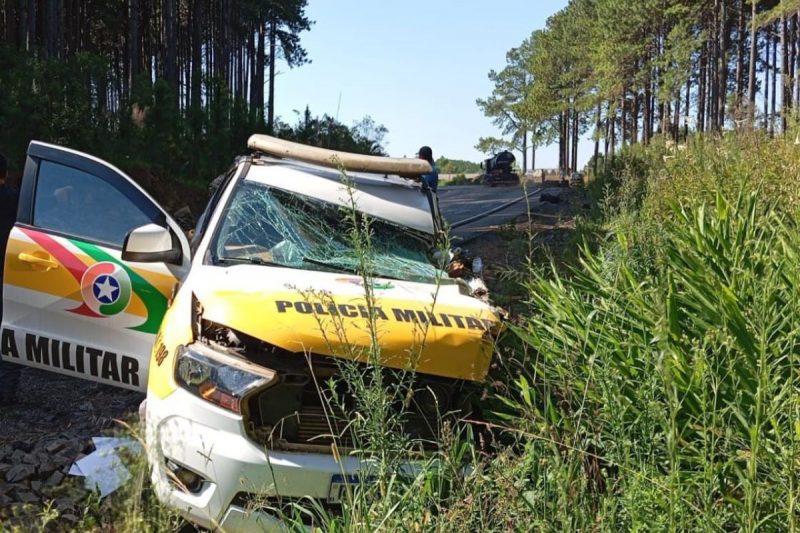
103 469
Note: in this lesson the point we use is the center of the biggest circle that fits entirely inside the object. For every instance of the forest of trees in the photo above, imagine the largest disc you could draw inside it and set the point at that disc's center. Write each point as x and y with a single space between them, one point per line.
456 166
627 71
175 84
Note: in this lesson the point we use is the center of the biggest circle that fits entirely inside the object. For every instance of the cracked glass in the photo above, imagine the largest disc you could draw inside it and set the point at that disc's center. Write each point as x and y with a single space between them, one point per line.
265 225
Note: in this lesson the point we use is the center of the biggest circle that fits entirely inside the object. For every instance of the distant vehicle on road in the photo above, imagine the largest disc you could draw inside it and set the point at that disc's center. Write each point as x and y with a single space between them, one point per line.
576 179
498 170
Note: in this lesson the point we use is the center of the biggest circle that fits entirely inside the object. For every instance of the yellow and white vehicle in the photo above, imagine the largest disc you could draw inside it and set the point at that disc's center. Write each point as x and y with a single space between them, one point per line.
232 334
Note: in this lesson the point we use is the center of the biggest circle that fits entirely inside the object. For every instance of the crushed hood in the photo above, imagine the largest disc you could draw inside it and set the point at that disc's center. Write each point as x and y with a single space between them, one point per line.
326 314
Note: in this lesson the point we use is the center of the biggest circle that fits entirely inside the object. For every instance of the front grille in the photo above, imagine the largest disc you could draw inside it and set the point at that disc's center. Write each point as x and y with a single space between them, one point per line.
288 416
317 428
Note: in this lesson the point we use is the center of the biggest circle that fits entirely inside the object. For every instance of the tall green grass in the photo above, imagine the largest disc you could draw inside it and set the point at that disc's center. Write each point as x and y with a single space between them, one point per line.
667 359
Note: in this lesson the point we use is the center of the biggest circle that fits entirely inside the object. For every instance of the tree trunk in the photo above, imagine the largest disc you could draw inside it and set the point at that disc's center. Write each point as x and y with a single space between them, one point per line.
134 44
597 126
687 107
785 101
792 43
524 152
171 61
575 139
273 37
701 92
260 66
713 81
562 140
774 105
32 37
751 85
646 114
722 65
613 128
740 27
22 34
196 15
767 118
624 121
796 63
607 136
253 81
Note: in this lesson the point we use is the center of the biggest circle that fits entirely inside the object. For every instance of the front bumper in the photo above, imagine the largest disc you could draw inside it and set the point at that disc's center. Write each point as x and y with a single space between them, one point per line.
211 442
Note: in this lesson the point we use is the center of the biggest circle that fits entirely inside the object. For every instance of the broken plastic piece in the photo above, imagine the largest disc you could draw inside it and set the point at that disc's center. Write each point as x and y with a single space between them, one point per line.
103 469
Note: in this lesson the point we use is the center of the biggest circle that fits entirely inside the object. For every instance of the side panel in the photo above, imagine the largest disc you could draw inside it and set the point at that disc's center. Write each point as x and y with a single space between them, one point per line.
54 320
70 304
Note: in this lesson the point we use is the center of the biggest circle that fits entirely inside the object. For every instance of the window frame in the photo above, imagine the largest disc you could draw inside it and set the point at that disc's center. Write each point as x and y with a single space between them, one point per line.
38 153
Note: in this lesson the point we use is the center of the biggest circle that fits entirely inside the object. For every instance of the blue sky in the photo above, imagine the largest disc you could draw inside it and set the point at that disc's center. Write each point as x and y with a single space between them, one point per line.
415 66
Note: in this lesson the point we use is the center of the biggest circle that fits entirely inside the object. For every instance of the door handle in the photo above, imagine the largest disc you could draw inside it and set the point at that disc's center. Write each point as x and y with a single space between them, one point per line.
43 263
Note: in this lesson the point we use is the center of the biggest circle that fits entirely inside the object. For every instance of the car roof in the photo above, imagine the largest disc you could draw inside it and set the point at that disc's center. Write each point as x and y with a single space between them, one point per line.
391 198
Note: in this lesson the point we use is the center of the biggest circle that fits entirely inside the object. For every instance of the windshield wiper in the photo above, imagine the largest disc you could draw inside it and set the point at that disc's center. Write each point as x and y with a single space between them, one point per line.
341 268
251 261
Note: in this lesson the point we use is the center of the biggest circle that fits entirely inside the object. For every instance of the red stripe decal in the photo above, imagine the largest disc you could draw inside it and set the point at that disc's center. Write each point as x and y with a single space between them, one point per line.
70 261
85 310
75 266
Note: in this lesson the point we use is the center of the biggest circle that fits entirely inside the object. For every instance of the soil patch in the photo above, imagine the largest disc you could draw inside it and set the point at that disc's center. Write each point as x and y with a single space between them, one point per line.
546 233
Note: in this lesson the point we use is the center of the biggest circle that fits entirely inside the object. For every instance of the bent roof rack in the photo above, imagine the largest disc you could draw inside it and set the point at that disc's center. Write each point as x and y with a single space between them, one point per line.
372 164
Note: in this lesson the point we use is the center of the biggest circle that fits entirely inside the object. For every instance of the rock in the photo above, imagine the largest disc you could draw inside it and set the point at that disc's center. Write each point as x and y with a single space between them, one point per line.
46 468
70 449
42 457
9 488
55 479
20 472
17 456
30 459
5 451
69 517
36 486
4 468
61 459
65 504
24 446
25 496
5 499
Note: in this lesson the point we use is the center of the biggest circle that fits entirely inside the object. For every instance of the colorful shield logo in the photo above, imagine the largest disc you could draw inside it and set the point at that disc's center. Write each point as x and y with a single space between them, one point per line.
106 289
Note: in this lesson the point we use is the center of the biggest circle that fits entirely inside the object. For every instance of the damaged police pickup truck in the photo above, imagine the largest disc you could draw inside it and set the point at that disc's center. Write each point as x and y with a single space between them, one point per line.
232 334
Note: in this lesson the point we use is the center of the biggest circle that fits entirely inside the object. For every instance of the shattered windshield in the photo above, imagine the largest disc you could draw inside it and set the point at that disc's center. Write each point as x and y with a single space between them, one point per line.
264 225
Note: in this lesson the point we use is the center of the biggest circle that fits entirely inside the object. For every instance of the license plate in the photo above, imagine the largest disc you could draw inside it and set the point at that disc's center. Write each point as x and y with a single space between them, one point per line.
340 484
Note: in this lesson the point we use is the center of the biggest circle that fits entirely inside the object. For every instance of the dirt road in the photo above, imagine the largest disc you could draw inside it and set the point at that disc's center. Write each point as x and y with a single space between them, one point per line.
465 202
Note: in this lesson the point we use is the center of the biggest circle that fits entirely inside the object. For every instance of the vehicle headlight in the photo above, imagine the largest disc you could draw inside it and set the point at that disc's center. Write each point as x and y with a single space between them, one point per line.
218 378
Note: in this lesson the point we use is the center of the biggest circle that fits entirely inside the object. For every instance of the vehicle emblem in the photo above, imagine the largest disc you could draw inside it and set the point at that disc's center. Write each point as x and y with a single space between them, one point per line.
106 289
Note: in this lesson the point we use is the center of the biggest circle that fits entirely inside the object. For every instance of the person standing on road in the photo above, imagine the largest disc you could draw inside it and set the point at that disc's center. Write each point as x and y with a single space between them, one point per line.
9 197
432 179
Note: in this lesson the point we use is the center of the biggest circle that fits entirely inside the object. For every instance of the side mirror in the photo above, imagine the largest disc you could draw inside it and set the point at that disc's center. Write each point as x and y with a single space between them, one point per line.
150 244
